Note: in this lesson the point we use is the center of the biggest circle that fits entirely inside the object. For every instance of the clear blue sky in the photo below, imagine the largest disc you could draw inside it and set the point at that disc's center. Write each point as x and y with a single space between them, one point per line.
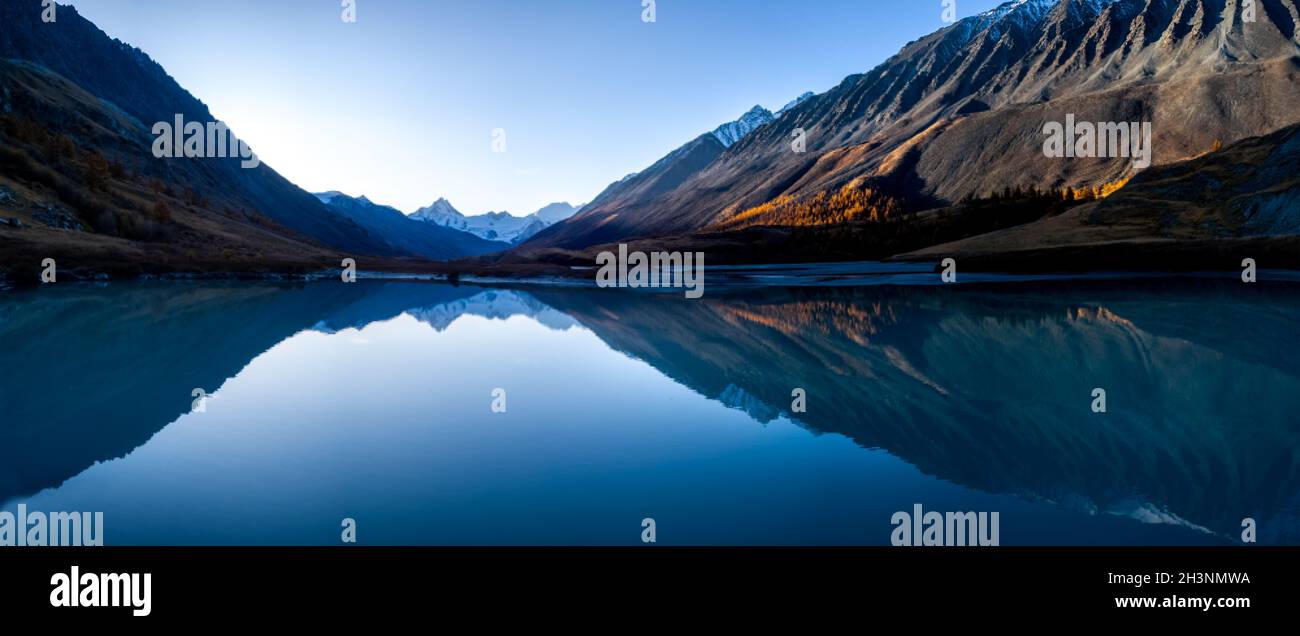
401 105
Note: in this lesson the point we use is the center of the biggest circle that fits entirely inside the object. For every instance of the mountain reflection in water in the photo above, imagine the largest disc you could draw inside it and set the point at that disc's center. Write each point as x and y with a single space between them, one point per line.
371 400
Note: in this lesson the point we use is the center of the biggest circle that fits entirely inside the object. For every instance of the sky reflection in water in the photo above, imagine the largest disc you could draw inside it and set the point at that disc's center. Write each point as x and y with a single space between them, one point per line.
371 401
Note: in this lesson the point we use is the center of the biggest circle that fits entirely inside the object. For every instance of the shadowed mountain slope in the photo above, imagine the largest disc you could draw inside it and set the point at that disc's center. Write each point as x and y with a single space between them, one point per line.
137 92
78 184
1249 190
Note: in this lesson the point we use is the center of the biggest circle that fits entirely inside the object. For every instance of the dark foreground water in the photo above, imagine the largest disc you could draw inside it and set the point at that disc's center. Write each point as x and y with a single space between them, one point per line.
373 401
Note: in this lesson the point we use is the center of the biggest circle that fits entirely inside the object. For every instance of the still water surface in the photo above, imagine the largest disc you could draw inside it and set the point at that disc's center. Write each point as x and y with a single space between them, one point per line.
372 401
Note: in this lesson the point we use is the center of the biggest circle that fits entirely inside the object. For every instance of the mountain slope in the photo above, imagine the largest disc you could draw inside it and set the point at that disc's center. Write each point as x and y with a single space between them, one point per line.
598 222
77 50
731 132
77 184
405 234
1250 189
556 212
960 113
441 212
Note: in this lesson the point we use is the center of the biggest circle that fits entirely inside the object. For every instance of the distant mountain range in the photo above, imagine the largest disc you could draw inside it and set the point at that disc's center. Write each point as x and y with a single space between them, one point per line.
959 114
428 240
501 227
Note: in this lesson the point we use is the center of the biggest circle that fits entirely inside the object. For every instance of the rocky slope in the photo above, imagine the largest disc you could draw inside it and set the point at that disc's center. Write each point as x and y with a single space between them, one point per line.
647 186
77 184
961 112
1249 190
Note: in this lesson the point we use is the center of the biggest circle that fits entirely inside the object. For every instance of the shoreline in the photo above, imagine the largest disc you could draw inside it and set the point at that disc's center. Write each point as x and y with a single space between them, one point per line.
20 268
827 274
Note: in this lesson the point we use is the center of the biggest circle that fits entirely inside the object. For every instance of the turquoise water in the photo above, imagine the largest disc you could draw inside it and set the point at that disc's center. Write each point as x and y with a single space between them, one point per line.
374 401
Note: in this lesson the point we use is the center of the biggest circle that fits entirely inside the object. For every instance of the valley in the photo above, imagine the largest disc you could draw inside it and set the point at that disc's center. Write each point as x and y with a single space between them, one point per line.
937 152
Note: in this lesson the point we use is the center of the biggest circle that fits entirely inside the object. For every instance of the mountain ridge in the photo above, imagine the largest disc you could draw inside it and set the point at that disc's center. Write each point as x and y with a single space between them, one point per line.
76 49
677 166
958 113
427 240
499 227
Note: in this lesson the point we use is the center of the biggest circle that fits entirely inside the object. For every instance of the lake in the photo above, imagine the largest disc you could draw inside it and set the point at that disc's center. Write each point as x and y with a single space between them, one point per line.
378 401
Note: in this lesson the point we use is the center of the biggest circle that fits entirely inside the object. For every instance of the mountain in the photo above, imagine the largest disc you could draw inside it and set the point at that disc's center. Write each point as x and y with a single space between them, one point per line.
1249 189
731 132
142 92
78 184
588 226
529 230
441 213
556 212
427 240
498 227
795 102
960 113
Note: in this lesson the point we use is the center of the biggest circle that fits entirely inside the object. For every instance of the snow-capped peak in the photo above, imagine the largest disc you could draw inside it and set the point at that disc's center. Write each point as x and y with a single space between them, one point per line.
731 132
495 226
440 212
329 198
1016 15
555 212
1016 5
1029 13
795 102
